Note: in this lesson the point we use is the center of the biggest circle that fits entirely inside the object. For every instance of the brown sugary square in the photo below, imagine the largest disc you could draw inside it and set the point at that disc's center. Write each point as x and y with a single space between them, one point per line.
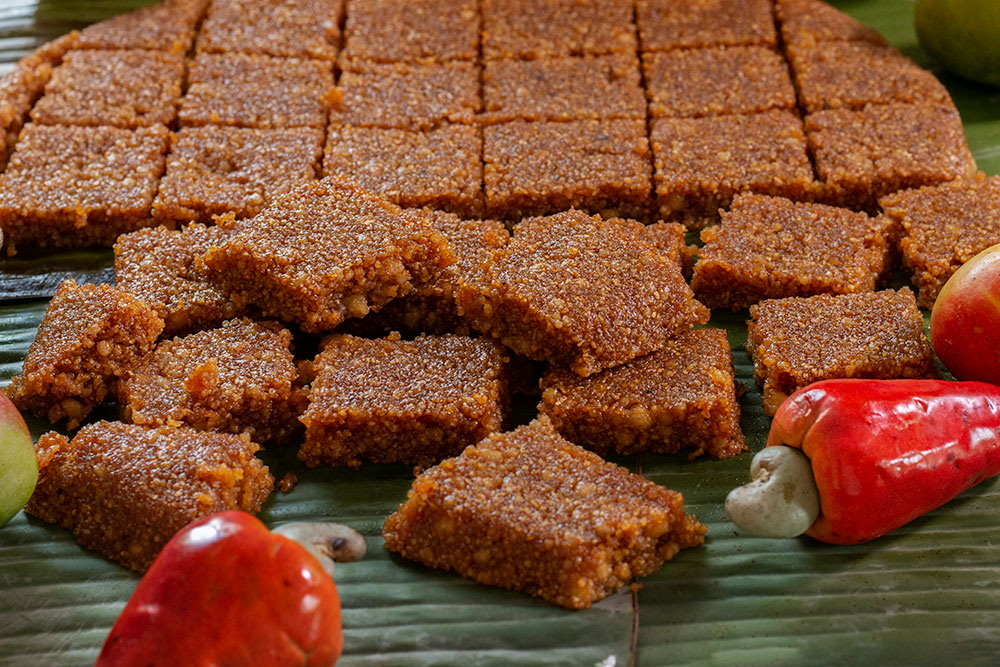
797 341
324 252
213 170
157 265
701 163
240 377
124 490
441 168
601 166
831 75
415 96
49 197
714 81
530 511
430 307
19 89
89 337
682 396
166 26
769 247
574 88
249 90
389 400
284 28
669 24
807 22
416 31
943 227
863 154
122 88
529 29
581 291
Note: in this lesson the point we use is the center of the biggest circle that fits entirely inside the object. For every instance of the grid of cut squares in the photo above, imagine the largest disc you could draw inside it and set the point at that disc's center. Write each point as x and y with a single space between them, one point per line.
283 28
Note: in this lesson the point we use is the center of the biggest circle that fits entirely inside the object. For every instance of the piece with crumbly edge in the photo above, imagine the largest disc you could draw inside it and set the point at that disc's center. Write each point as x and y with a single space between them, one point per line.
166 26
414 31
668 24
283 28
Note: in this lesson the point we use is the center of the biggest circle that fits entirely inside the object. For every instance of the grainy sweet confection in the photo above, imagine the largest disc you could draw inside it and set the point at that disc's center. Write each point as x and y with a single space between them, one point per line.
167 26
713 81
389 400
701 163
574 88
601 166
441 168
529 511
285 28
769 247
682 396
237 378
796 341
124 490
668 24
121 88
157 266
249 90
831 75
415 96
212 170
50 197
943 227
581 291
807 22
326 251
430 307
671 238
89 338
425 30
530 29
864 154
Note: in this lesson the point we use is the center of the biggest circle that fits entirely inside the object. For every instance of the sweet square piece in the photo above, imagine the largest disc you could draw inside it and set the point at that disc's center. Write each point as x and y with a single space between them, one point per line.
797 341
574 88
943 227
601 166
713 81
864 154
682 396
529 29
421 31
769 247
580 291
831 75
414 96
166 26
394 401
157 265
324 252
20 87
257 91
807 22
50 197
90 336
124 490
237 378
668 24
701 163
121 88
284 28
212 170
439 168
430 307
529 511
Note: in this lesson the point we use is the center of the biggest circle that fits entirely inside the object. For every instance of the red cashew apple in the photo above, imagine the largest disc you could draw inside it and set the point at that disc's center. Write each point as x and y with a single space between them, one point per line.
18 465
965 320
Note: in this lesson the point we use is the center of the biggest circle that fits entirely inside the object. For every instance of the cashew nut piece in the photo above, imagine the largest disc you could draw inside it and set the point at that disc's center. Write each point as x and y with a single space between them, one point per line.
781 499
329 542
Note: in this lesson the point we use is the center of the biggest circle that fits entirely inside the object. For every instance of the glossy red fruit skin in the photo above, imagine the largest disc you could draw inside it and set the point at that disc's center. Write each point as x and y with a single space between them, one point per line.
965 320
227 591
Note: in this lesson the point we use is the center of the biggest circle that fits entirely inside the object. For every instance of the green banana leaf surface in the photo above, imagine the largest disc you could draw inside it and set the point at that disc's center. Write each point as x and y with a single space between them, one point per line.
929 593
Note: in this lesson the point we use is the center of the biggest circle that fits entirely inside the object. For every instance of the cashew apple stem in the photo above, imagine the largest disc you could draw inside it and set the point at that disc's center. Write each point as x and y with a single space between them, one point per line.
781 499
329 542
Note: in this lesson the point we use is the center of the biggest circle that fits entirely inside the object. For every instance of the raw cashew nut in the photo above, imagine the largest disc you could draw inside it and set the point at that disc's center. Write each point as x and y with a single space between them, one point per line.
329 542
781 499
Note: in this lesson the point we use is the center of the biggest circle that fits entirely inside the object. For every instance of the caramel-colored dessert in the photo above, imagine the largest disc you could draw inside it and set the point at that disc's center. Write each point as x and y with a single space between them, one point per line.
529 511
167 26
300 29
668 24
124 490
415 31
